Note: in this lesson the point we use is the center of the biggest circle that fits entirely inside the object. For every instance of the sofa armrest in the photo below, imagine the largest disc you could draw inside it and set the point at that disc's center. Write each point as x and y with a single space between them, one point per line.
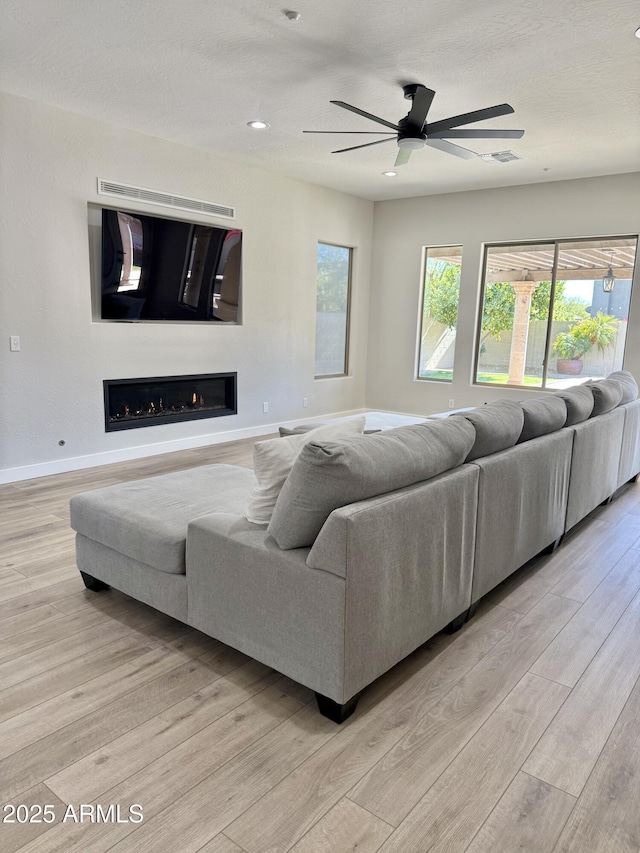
407 559
243 590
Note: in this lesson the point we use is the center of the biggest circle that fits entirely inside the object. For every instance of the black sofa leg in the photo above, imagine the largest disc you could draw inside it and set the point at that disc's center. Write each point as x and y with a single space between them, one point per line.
456 623
92 583
333 710
551 549
471 612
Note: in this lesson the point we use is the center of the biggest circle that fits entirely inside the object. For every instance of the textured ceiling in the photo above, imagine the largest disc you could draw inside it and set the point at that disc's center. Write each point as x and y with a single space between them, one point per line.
195 72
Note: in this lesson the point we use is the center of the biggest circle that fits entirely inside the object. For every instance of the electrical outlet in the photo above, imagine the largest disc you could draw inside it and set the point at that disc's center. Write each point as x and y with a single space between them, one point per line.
305 402
265 408
14 343
452 404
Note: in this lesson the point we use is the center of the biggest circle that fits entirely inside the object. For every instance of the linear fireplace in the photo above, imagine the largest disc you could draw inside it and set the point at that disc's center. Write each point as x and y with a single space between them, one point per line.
131 403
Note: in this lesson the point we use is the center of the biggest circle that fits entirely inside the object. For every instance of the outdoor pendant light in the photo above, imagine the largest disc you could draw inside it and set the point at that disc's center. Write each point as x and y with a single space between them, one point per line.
609 280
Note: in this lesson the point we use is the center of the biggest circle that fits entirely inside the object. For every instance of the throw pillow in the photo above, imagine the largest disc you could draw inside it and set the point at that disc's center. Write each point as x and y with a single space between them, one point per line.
542 417
607 394
300 429
579 403
628 383
274 458
498 425
330 474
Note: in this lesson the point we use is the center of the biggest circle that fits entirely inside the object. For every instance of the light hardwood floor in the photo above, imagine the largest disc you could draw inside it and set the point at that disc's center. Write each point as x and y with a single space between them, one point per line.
519 733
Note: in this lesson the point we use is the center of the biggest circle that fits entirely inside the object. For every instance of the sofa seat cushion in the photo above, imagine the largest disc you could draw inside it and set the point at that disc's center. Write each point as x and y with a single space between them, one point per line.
628 383
147 519
542 417
579 403
498 426
607 394
331 474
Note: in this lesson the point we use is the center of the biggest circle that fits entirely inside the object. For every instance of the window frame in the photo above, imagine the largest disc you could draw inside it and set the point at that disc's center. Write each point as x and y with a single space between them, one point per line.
556 242
423 279
347 332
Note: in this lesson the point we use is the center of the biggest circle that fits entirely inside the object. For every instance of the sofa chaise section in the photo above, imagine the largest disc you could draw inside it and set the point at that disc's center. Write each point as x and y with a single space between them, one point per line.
132 536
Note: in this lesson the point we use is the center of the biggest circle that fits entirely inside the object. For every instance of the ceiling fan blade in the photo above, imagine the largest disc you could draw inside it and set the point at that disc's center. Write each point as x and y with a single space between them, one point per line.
365 132
420 107
403 156
366 115
476 133
366 145
468 118
450 148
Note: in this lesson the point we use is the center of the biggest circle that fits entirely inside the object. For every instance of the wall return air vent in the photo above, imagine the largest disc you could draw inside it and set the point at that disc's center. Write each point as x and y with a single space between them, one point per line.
177 202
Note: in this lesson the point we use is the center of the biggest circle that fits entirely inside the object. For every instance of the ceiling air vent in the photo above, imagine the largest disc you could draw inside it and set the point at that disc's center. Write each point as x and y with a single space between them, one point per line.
500 157
176 202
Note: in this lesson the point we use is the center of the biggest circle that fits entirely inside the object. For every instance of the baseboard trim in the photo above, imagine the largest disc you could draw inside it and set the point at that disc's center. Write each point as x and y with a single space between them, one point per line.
94 460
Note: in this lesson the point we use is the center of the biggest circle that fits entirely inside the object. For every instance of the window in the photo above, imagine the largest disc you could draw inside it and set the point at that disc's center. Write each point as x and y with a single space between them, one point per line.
440 296
194 273
332 310
554 313
130 228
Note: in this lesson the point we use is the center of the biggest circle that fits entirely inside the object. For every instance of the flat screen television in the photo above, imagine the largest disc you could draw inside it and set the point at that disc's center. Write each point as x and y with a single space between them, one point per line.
154 268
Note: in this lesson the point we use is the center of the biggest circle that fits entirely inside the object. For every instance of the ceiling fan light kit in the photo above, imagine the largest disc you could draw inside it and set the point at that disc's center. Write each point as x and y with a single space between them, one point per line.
414 132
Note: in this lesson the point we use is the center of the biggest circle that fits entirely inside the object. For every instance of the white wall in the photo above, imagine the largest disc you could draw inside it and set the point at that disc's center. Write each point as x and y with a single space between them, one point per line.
604 206
52 389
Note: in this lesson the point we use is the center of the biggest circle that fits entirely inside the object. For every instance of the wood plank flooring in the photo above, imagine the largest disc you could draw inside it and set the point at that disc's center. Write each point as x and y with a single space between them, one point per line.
518 733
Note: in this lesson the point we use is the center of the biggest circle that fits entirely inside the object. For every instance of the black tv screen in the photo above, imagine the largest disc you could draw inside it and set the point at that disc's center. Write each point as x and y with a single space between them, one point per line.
155 268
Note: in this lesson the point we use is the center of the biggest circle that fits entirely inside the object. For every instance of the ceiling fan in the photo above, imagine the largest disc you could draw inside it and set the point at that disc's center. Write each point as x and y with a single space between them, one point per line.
413 131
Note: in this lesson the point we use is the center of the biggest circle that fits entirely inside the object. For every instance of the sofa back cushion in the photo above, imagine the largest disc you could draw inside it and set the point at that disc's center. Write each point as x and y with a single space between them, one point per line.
274 458
542 417
628 383
607 394
579 403
498 426
330 474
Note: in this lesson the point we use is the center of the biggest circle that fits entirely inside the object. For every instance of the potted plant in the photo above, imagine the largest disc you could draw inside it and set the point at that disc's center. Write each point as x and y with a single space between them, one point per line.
580 338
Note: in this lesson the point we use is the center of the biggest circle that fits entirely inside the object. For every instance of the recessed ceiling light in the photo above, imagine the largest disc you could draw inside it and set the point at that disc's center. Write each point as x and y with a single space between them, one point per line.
292 15
638 33
258 125
389 174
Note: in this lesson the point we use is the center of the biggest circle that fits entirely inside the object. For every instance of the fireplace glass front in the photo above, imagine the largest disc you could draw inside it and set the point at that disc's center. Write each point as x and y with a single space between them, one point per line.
131 403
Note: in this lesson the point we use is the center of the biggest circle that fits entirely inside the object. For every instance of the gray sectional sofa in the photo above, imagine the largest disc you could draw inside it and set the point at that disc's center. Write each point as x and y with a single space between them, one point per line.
376 542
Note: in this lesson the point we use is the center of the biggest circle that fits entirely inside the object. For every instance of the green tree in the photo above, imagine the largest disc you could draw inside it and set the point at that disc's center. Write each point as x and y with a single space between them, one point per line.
500 302
441 293
333 278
